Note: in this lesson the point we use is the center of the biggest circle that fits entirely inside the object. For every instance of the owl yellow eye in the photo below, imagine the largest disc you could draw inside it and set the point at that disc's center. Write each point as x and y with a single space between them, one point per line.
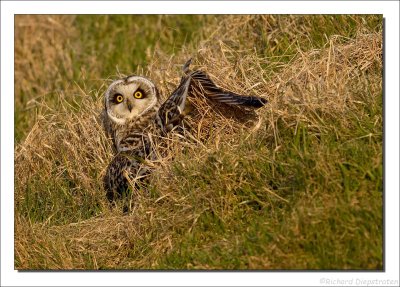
119 98
138 95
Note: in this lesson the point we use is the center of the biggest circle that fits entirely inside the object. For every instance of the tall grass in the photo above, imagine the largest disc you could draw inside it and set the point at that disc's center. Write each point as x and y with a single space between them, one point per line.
299 189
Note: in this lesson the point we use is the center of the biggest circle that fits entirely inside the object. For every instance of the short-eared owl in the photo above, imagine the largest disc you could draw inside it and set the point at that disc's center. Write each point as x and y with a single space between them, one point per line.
134 116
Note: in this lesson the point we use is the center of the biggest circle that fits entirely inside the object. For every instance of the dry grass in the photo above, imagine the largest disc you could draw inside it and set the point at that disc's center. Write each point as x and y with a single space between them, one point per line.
276 195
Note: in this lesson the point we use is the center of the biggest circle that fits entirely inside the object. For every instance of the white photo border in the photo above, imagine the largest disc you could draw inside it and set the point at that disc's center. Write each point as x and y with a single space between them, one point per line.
390 11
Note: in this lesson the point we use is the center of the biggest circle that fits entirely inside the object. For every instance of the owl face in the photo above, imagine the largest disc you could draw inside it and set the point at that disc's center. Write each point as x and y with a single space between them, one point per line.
129 98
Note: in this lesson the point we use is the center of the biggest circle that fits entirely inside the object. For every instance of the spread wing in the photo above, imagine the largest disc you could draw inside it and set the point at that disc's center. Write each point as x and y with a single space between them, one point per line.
202 84
195 83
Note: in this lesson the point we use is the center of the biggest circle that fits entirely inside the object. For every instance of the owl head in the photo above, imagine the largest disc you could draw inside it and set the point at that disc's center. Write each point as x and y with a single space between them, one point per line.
129 98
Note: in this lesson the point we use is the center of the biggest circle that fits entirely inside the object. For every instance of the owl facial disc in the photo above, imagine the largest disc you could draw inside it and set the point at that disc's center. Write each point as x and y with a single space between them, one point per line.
129 98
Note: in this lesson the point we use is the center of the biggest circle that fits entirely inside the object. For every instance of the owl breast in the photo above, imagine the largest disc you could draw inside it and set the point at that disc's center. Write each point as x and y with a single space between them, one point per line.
135 134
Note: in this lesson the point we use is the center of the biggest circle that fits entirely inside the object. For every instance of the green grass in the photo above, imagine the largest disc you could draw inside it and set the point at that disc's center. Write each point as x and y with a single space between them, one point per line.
128 42
315 214
302 192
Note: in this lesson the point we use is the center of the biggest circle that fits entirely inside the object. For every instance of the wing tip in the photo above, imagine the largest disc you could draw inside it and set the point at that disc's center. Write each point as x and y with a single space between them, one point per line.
185 67
261 102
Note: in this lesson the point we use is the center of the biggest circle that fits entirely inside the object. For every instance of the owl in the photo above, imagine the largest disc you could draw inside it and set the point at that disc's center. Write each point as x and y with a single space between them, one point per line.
135 118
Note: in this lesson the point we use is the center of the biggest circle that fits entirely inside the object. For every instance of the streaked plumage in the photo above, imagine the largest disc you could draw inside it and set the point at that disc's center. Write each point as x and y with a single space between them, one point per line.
134 118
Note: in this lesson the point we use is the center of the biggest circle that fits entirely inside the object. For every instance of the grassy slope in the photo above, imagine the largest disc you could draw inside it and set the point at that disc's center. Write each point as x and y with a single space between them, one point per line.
303 191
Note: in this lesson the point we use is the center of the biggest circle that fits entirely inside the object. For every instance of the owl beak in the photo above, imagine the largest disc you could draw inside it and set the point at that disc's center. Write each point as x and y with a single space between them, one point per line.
129 104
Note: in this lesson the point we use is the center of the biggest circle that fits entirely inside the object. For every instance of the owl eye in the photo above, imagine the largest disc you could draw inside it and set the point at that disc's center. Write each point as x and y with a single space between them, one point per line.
119 98
138 95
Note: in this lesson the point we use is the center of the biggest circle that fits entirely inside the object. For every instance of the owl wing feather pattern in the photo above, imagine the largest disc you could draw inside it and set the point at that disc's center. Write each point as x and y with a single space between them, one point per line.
204 85
212 92
170 113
